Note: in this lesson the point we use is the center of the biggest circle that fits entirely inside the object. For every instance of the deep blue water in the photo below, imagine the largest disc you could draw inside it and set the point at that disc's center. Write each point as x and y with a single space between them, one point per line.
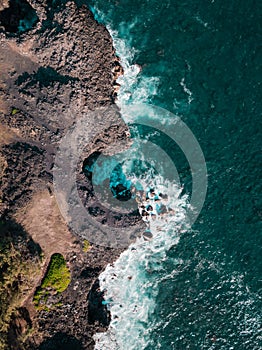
202 61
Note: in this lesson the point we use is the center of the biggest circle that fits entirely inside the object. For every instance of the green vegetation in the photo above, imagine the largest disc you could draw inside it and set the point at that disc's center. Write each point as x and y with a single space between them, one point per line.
86 246
56 281
14 111
19 268
58 274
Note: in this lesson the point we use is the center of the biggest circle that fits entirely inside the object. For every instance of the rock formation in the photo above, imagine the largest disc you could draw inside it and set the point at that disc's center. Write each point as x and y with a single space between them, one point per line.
57 63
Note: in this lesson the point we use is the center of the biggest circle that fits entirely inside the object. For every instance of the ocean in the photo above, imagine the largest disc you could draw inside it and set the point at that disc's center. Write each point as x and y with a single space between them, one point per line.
191 287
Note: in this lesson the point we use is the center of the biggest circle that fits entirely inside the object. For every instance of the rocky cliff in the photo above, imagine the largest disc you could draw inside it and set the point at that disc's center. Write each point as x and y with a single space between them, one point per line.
56 63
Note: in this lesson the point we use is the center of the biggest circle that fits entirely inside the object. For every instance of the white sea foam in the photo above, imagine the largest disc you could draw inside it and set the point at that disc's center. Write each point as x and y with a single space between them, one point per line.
187 91
130 285
134 86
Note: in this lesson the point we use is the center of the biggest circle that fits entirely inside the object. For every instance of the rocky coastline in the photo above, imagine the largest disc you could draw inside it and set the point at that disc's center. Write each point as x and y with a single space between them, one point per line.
57 63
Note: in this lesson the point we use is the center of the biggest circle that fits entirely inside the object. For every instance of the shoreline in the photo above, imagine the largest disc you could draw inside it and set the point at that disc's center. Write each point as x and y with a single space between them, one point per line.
48 72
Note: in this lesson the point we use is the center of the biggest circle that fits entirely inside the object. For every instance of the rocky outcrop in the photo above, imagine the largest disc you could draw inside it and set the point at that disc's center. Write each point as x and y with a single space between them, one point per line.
57 64
80 313
52 75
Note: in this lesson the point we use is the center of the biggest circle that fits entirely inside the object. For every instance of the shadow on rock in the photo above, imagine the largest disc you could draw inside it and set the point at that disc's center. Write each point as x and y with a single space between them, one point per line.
44 76
18 17
61 341
97 310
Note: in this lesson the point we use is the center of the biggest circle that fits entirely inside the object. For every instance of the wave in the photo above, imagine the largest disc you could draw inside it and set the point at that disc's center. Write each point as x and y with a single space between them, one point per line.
131 284
134 286
134 86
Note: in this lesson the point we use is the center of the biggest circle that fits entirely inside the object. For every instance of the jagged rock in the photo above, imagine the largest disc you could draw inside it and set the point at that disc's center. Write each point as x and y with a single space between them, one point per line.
55 69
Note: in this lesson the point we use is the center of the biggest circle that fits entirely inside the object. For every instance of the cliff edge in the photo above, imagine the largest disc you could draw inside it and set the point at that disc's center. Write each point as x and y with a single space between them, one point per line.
57 63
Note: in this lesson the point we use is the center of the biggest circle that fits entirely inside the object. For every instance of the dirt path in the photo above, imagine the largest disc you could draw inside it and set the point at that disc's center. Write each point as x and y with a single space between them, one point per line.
42 220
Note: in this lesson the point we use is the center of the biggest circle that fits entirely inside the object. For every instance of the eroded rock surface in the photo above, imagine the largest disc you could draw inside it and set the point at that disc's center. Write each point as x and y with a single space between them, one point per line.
57 63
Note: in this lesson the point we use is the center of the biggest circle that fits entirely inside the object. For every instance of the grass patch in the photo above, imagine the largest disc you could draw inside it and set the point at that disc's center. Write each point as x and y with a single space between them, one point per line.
56 281
19 268
14 111
86 246
58 274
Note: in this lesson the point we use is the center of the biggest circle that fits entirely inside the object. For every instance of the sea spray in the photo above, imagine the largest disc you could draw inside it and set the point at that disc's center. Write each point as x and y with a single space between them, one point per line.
211 300
131 283
134 86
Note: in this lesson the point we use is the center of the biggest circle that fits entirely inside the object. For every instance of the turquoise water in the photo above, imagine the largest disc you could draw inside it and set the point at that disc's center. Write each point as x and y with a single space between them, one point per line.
202 61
